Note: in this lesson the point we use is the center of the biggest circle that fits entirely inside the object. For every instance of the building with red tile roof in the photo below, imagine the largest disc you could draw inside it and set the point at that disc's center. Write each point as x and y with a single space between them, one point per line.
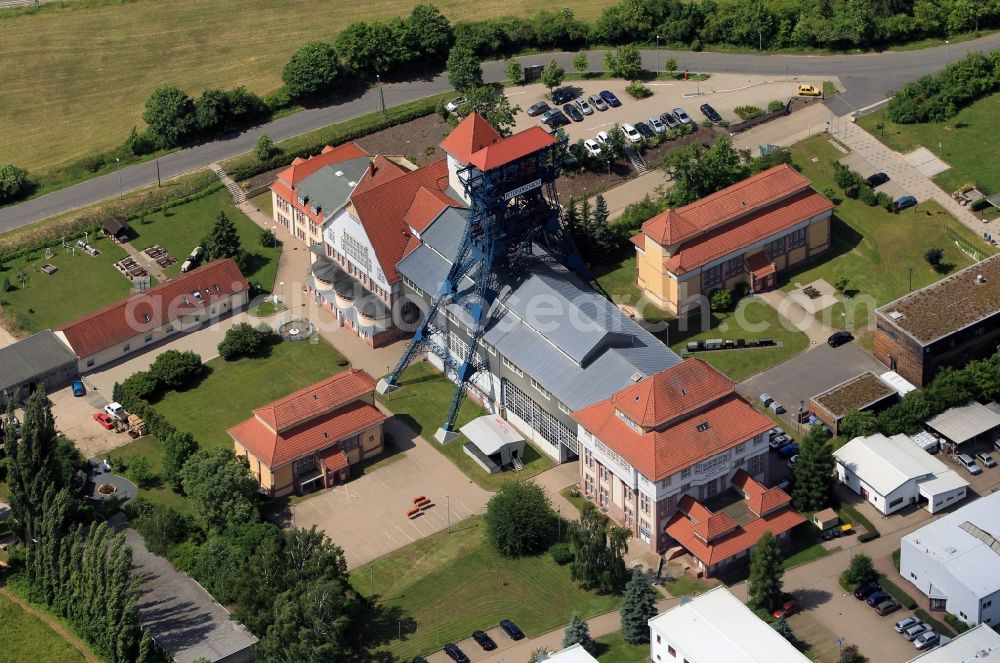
717 541
177 305
309 439
746 233
682 433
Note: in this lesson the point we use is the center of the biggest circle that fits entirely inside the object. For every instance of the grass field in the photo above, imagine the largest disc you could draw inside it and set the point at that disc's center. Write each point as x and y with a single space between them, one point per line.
264 203
961 142
157 491
179 229
24 637
423 400
612 649
82 284
447 585
74 80
225 397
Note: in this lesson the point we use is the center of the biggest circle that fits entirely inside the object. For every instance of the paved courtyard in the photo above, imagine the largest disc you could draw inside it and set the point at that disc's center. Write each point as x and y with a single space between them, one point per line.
367 515
74 419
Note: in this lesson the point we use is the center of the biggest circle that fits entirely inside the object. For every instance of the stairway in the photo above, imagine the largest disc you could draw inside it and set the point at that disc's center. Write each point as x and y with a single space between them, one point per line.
518 465
237 192
635 159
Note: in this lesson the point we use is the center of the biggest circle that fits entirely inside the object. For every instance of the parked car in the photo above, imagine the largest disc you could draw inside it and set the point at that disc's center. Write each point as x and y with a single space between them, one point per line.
562 95
455 654
116 410
511 629
877 597
453 105
806 90
788 609
776 408
682 116
631 133
657 125
911 633
877 179
710 113
592 147
765 399
670 120
791 461
905 202
573 112
78 388
603 138
837 339
905 623
926 640
554 118
865 590
538 108
996 444
105 420
597 102
778 441
419 659
645 130
788 450
584 106
610 99
966 461
887 607
986 459
484 641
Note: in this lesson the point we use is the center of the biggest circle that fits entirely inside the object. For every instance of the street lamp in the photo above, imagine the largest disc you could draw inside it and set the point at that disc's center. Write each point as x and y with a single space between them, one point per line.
121 191
910 289
657 56
947 56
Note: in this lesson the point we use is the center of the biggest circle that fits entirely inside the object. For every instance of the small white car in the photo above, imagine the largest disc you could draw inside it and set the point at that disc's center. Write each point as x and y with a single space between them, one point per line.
116 410
905 623
985 459
593 147
657 125
603 138
631 133
597 102
453 105
682 116
911 632
584 106
966 461
926 640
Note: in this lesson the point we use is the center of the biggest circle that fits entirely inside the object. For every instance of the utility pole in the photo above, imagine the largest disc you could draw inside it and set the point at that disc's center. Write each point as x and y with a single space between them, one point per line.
121 191
910 289
448 498
657 56
158 174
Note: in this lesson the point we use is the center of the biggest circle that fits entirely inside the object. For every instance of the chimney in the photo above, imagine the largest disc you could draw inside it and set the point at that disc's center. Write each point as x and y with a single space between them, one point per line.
371 168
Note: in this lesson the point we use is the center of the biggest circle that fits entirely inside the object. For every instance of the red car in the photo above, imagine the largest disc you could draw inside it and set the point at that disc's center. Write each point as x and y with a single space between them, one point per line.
104 419
787 610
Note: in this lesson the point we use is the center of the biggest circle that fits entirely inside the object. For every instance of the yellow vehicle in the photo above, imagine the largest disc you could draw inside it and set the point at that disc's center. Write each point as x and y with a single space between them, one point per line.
806 90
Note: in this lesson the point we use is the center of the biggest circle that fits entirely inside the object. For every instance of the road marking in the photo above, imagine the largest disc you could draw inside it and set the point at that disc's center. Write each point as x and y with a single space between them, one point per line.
404 533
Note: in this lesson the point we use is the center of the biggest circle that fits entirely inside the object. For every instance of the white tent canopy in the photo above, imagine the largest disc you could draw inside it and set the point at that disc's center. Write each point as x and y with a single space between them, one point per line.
490 433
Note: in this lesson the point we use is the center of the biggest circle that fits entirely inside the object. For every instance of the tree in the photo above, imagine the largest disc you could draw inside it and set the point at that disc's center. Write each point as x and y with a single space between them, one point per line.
464 70
637 608
858 424
697 173
933 256
220 487
140 470
514 71
766 570
600 235
13 182
841 284
553 75
264 149
312 70
860 571
177 449
492 105
429 32
170 115
625 63
174 369
814 471
852 654
211 110
578 631
598 552
581 63
223 241
373 49
242 340
721 299
314 623
519 520
671 66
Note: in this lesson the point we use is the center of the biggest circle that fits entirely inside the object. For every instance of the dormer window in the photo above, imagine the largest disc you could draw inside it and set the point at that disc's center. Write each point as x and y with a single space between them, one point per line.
217 288
197 295
315 209
303 200
631 424
703 426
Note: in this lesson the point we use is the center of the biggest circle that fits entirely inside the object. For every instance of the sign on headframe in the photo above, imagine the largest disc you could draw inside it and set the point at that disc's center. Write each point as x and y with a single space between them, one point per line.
523 189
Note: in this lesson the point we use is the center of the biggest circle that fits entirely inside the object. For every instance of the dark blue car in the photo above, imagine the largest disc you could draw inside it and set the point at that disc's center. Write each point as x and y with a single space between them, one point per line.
905 202
788 450
876 598
78 388
610 98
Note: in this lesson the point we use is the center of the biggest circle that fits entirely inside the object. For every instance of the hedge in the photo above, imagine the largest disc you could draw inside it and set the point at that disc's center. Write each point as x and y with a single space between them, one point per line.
938 627
871 533
956 623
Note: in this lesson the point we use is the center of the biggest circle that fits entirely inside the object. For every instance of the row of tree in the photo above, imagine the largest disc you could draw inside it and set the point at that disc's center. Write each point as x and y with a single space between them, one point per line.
174 118
937 98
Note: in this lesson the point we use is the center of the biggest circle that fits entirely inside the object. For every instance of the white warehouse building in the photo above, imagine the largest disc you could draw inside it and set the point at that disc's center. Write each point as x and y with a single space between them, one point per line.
955 561
894 472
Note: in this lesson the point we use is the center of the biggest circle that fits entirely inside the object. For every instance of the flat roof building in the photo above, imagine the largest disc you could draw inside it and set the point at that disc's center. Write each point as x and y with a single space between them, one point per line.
980 644
864 392
945 324
966 423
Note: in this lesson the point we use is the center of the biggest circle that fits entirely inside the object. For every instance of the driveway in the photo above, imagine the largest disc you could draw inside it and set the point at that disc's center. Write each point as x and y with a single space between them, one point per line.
367 515
809 373
74 419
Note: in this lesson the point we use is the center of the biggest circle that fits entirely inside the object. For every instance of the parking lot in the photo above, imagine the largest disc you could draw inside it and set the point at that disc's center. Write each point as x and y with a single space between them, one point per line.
858 163
74 419
724 92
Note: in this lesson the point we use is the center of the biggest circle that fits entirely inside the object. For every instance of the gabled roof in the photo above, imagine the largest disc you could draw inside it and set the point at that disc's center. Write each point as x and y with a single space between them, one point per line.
471 135
316 399
671 393
669 227
427 204
303 168
761 500
886 463
328 189
511 148
156 307
707 526
31 357
380 170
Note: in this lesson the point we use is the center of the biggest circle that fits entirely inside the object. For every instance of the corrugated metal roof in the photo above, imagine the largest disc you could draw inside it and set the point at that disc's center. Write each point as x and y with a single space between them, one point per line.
330 187
33 356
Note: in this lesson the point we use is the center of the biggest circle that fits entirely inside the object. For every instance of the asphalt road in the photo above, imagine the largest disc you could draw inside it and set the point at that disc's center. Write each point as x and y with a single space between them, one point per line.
868 78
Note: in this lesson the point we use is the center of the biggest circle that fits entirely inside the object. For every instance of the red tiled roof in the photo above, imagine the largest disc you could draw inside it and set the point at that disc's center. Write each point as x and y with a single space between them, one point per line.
761 500
684 531
276 449
511 148
747 230
707 525
316 399
669 227
760 266
427 204
303 168
471 135
334 458
380 171
382 211
670 393
156 307
412 244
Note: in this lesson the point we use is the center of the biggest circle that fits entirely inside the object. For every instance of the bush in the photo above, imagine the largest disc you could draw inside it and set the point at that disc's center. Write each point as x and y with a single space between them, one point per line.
867 196
860 571
884 200
775 105
267 238
264 148
937 98
174 369
561 553
312 70
933 256
638 90
242 340
956 623
740 291
979 205
519 520
746 112
141 385
140 471
13 183
721 300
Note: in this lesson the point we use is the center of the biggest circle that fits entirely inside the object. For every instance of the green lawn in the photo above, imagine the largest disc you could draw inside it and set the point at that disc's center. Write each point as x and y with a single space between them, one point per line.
24 637
232 389
686 585
962 142
81 284
805 546
422 401
264 203
180 229
612 649
447 585
158 491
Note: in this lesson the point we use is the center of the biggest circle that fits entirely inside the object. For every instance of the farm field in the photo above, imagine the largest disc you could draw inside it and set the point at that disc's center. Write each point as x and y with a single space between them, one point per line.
24 637
74 78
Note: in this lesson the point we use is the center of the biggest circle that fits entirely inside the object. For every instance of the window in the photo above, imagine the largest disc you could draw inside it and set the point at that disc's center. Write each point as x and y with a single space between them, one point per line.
644 503
896 501
509 364
603 448
666 482
671 651
604 496
127 347
657 638
734 266
628 517
741 447
90 362
356 250
758 440
631 424
149 337
457 346
540 388
987 604
534 415
711 276
797 238
491 350
775 248
564 409
755 465
686 472
702 427
170 328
